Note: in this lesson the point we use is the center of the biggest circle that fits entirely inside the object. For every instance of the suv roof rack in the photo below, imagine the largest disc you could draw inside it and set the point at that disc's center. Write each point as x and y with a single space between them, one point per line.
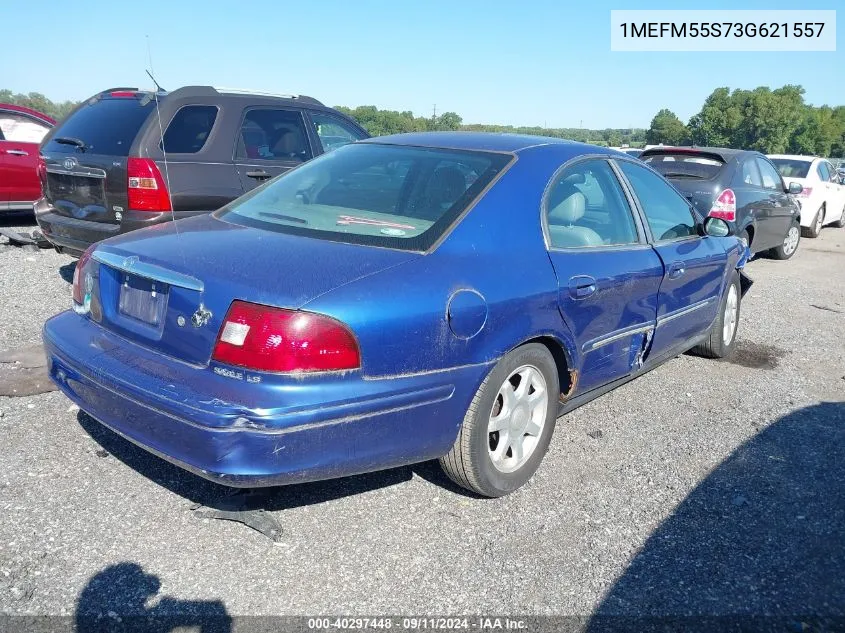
259 93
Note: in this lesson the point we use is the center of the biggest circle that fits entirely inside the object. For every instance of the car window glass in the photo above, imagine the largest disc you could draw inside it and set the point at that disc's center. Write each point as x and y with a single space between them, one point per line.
189 129
792 167
268 134
107 125
585 206
667 212
771 178
750 174
21 129
333 132
824 174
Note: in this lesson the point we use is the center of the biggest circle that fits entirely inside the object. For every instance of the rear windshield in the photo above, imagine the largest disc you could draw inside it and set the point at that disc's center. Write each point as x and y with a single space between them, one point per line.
684 165
791 167
381 195
106 126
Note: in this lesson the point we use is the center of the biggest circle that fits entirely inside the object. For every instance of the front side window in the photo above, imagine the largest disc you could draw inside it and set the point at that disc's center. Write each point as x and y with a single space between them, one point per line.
333 132
771 177
271 134
667 212
586 207
366 193
189 129
21 129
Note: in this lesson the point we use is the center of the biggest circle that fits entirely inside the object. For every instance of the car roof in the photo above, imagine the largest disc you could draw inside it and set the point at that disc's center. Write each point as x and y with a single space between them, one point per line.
725 153
795 157
487 141
29 111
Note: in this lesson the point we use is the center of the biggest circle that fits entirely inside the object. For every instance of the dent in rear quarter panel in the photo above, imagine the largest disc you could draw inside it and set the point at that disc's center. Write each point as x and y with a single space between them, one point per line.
400 315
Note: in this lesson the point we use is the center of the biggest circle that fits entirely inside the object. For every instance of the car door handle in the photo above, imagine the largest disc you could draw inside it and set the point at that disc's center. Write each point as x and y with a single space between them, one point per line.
676 270
17 152
581 286
258 175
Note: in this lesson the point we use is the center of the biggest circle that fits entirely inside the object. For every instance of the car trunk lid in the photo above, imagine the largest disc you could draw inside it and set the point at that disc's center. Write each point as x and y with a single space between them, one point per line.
169 287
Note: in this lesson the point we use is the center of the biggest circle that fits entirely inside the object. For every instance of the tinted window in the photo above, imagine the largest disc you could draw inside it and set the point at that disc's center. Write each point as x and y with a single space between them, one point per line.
21 129
750 174
189 129
273 135
364 193
771 178
586 207
823 171
792 167
106 126
667 212
333 132
685 164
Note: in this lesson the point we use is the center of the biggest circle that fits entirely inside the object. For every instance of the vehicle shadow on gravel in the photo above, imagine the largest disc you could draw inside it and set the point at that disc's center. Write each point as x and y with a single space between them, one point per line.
117 599
212 495
762 535
17 218
66 271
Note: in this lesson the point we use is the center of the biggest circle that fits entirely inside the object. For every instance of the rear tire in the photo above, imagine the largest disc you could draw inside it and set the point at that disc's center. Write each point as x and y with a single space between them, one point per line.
492 462
721 340
815 227
789 246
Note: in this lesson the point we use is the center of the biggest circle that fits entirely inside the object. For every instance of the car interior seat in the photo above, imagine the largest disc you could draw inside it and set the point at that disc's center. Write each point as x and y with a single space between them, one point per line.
563 217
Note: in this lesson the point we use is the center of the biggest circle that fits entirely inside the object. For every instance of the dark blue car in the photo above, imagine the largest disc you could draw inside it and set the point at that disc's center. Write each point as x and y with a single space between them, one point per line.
421 296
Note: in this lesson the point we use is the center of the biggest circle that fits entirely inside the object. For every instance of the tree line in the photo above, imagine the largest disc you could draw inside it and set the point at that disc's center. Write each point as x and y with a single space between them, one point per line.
770 121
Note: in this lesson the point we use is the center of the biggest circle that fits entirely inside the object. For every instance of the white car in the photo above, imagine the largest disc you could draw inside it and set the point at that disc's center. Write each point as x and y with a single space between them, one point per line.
823 199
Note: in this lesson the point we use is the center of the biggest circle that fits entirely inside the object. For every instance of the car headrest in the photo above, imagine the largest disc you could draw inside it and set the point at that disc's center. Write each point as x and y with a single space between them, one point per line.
569 210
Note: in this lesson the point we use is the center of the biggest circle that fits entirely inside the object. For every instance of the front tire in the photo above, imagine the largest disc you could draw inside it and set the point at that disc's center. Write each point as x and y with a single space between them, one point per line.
790 243
721 340
840 223
508 426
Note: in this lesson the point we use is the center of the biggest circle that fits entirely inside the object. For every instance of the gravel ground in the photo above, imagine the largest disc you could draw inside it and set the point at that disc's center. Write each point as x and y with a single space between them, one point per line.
704 487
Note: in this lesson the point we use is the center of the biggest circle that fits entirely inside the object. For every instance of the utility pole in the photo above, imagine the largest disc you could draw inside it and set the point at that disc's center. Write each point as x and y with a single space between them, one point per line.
434 112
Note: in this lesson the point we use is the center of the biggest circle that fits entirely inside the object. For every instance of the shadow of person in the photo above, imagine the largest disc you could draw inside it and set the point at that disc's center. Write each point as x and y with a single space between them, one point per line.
758 545
118 600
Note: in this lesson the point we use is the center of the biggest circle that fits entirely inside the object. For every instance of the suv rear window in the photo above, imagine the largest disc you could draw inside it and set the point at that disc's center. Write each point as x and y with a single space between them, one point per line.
106 126
380 195
684 164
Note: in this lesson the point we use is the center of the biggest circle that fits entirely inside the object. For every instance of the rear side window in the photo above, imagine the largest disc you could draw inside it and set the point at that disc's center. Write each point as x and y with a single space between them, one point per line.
666 211
271 134
792 167
685 165
333 132
823 171
586 207
106 126
189 129
21 129
771 177
749 174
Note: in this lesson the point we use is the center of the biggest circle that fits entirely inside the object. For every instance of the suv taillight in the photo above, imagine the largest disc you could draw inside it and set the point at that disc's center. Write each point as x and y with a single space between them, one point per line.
147 189
725 206
272 339
41 170
81 293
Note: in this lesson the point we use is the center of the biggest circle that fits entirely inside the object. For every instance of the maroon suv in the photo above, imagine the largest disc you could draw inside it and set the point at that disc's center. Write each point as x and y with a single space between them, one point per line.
21 131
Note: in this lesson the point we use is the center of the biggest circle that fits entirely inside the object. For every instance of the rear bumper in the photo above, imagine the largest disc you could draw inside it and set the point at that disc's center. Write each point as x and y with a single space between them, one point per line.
249 435
73 236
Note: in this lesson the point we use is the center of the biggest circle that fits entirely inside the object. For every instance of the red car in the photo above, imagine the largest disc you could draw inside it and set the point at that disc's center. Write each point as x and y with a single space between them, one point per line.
21 131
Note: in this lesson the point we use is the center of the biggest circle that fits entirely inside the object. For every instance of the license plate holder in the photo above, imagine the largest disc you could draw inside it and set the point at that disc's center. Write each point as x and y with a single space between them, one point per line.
142 300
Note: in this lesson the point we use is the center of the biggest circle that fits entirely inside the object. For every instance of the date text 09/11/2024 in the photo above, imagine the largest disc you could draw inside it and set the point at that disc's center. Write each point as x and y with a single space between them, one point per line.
418 624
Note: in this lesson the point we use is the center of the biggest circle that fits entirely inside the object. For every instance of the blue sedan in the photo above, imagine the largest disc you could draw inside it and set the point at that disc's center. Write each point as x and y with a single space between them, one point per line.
401 299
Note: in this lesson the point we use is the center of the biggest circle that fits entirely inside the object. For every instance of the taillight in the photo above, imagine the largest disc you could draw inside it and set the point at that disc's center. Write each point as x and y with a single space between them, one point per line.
82 283
272 339
805 192
122 93
41 170
725 206
147 189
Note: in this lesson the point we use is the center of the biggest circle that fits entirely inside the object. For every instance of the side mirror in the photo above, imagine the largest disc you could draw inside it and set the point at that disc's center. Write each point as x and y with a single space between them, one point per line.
717 227
795 188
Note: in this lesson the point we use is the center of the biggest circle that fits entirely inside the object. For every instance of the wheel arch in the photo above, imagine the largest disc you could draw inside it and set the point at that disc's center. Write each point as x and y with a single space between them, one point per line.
567 370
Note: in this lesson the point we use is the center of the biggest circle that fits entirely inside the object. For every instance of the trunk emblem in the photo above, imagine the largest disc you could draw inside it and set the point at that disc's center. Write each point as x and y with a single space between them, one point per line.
69 163
201 316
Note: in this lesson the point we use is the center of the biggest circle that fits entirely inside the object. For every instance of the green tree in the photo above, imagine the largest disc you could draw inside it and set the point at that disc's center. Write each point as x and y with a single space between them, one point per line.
668 129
